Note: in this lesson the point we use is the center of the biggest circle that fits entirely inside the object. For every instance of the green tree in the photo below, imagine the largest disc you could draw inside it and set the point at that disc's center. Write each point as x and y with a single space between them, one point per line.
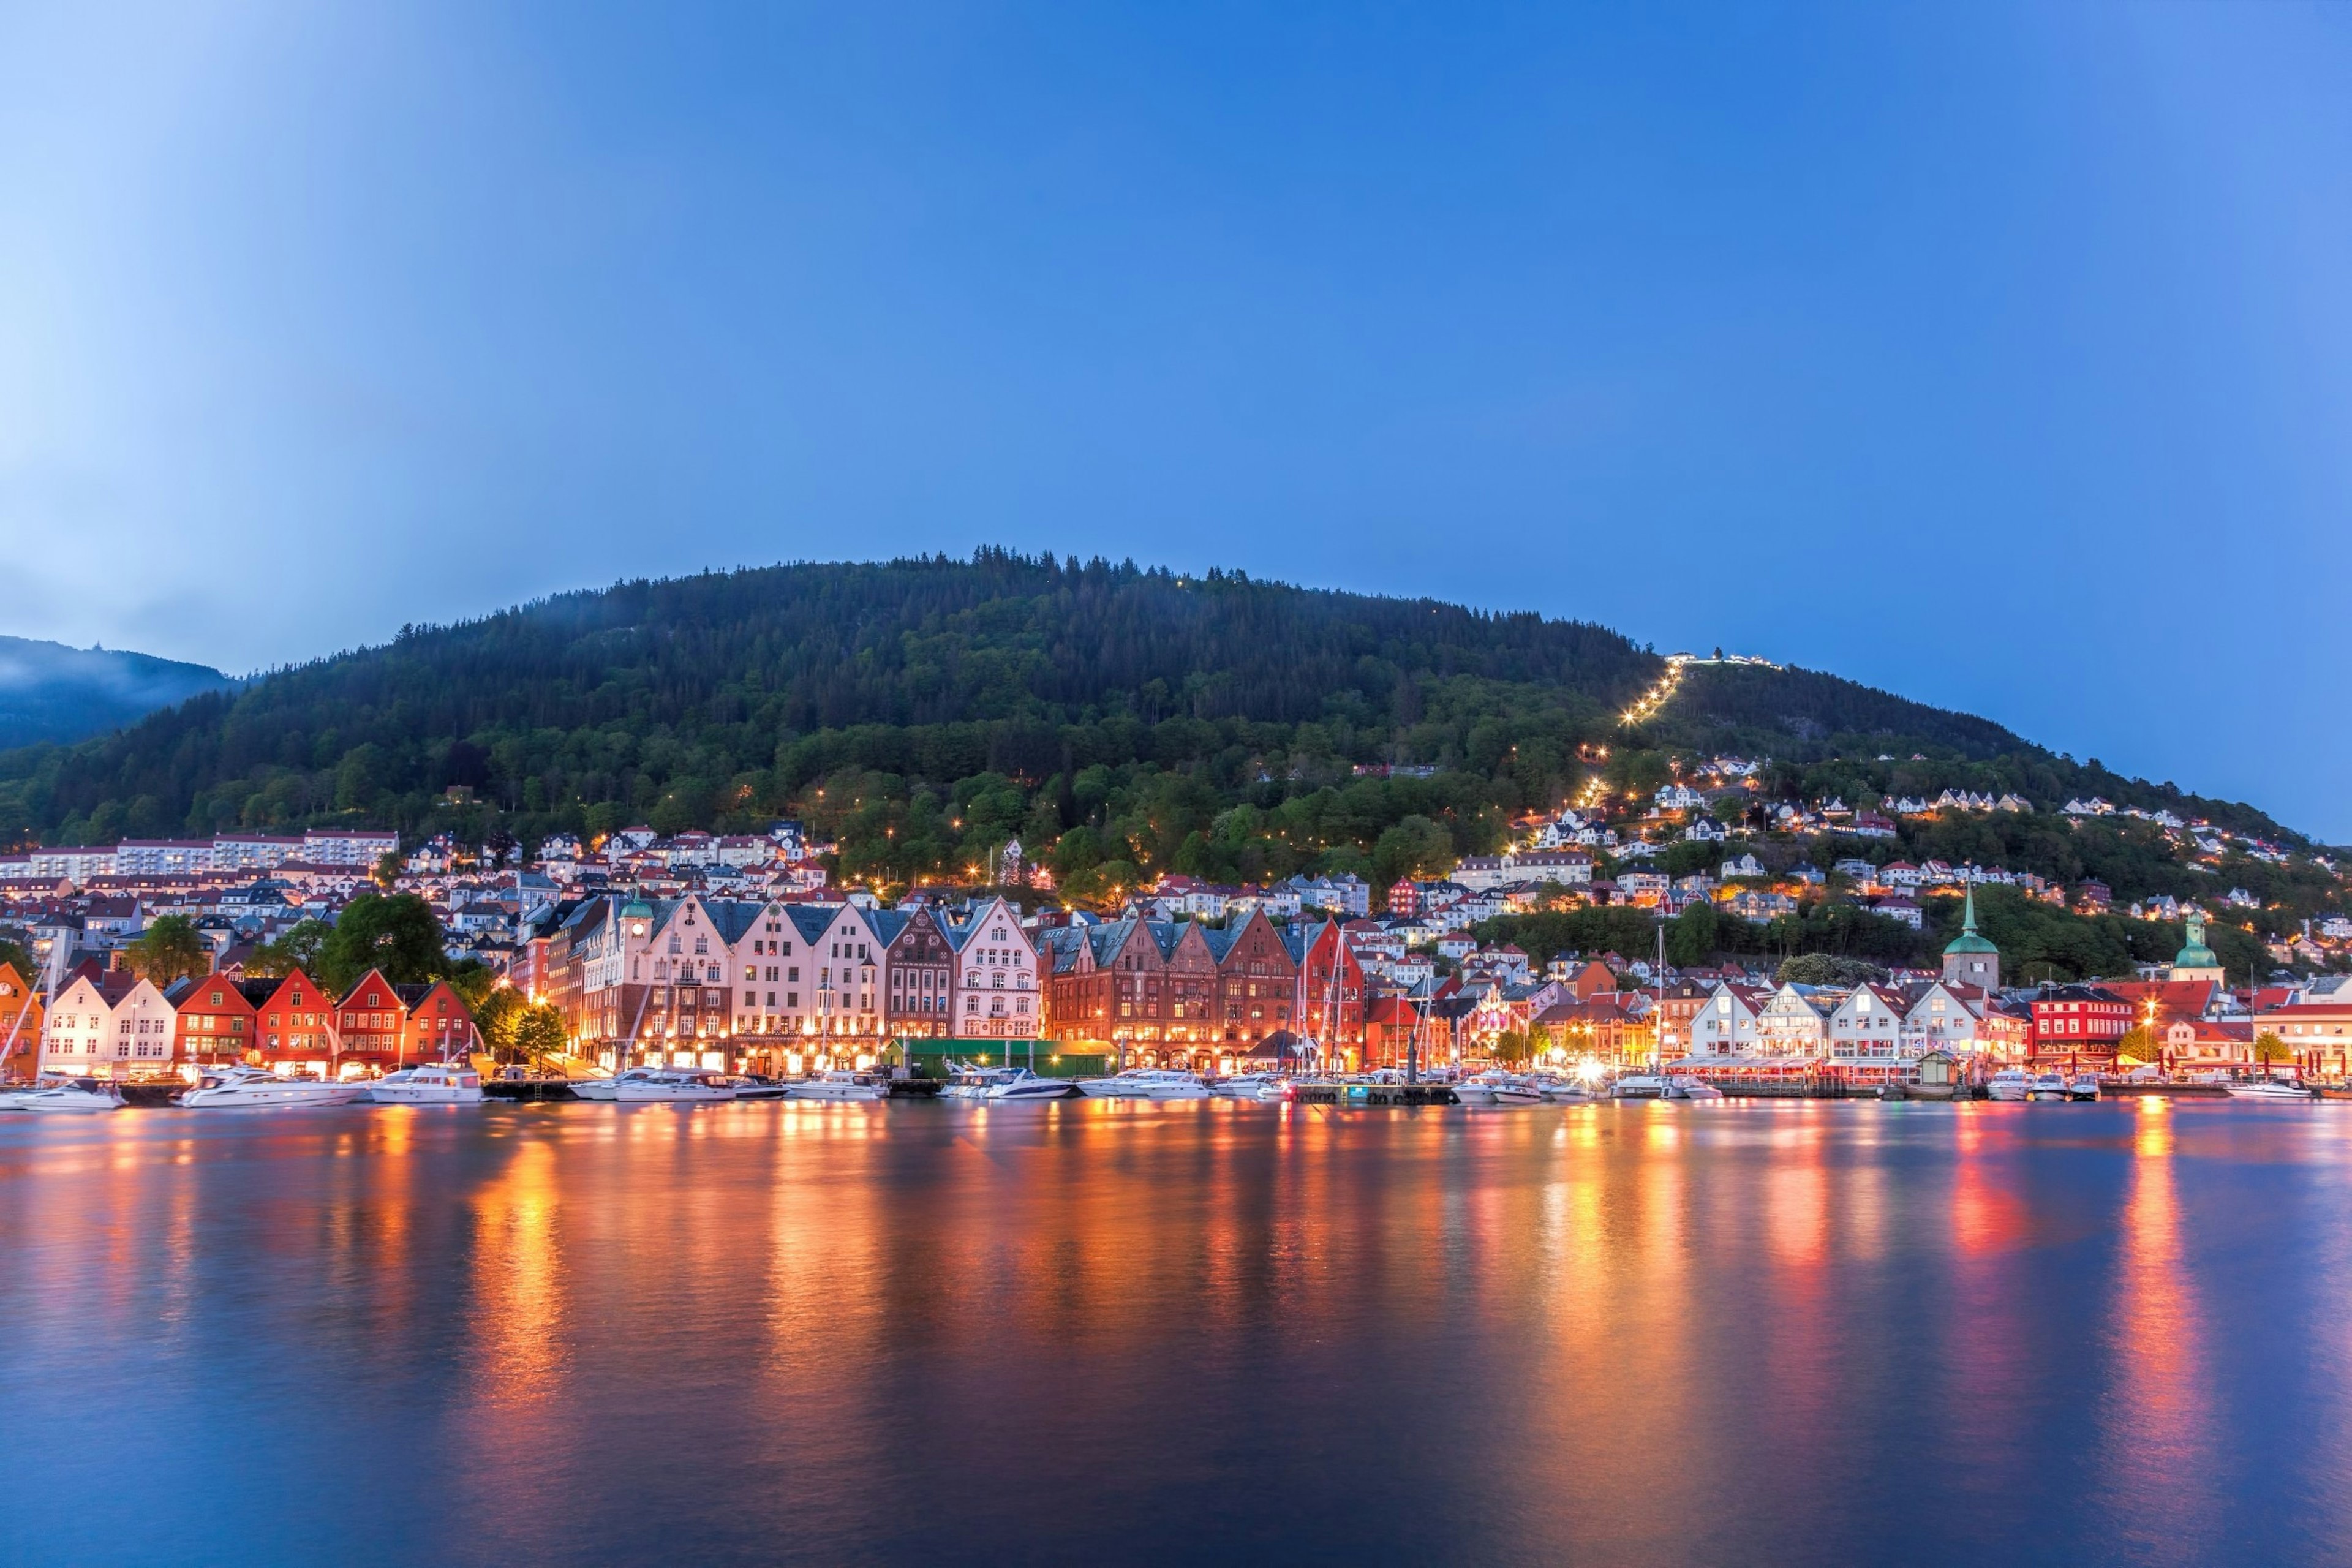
1825 969
498 1017
1692 936
168 949
2269 1047
14 954
297 948
540 1031
1415 847
396 933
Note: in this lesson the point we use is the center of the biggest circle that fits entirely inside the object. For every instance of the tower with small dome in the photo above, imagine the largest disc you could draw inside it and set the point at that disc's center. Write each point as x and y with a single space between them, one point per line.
2195 960
1970 959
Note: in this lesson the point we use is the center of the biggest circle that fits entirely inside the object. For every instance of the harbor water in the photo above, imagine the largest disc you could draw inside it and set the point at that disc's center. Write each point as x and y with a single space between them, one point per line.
1105 1332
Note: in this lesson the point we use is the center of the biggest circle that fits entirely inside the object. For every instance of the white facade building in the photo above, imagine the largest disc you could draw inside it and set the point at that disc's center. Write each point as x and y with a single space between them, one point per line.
996 990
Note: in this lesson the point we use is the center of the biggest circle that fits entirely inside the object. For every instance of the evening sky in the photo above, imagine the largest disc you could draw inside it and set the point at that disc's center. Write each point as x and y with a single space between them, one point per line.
2000 356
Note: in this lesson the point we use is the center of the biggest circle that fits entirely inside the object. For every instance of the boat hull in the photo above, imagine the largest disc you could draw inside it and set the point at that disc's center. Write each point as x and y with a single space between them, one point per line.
291 1097
410 1094
60 1102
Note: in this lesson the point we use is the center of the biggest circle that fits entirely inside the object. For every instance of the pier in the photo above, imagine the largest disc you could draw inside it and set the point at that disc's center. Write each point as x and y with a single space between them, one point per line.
1379 1094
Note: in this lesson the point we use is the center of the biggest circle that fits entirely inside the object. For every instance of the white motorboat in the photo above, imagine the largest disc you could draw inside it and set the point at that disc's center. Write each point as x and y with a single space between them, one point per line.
2009 1084
968 1082
2269 1089
840 1086
752 1086
72 1095
1639 1086
1170 1083
1500 1088
1146 1083
1024 1085
252 1088
1682 1085
429 1083
1245 1086
1567 1091
1125 1085
2085 1086
603 1090
663 1088
2046 1085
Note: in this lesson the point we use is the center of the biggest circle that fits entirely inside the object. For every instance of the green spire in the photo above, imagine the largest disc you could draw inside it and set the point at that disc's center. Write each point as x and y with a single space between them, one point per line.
1968 940
2196 954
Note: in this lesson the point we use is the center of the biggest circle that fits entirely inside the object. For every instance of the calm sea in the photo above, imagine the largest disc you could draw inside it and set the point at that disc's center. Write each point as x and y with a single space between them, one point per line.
1094 1333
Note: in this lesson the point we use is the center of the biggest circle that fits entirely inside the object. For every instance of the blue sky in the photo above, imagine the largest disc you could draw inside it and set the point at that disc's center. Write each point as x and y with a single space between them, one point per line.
2000 356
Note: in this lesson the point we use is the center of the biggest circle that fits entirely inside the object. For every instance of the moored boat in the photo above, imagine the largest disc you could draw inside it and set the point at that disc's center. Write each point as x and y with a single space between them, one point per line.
665 1088
252 1089
1244 1085
78 1096
603 1090
2084 1085
1498 1088
2269 1089
2009 1084
1639 1086
2046 1085
430 1083
1024 1085
1682 1085
839 1085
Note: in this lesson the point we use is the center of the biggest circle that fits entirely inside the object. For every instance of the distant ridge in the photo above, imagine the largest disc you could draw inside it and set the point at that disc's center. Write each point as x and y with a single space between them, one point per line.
1002 693
52 692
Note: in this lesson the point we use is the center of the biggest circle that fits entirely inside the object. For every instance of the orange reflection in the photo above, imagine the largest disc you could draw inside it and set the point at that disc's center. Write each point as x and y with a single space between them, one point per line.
2157 1418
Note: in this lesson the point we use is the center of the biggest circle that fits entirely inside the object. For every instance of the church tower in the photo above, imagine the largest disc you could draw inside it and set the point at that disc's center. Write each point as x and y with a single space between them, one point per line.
1970 958
2195 960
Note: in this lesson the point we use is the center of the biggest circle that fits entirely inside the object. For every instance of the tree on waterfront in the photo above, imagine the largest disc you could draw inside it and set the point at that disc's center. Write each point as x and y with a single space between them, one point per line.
169 950
540 1031
2269 1047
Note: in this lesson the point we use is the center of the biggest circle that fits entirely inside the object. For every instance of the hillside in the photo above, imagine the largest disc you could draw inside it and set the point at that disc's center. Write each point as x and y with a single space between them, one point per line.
52 692
1121 720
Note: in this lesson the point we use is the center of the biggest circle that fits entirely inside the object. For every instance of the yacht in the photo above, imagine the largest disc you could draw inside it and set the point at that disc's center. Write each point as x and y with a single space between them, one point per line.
251 1088
2086 1086
840 1086
968 1082
1170 1083
1640 1086
1128 1085
2046 1085
1246 1085
752 1086
1682 1085
432 1083
73 1095
1502 1088
2009 1084
2268 1089
603 1090
1024 1085
662 1088
1567 1091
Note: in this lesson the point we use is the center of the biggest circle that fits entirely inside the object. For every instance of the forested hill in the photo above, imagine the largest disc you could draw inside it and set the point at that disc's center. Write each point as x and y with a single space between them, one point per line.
687 696
921 710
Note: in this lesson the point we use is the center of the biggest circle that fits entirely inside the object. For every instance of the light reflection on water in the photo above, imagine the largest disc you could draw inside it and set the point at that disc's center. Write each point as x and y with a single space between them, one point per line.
1089 1332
